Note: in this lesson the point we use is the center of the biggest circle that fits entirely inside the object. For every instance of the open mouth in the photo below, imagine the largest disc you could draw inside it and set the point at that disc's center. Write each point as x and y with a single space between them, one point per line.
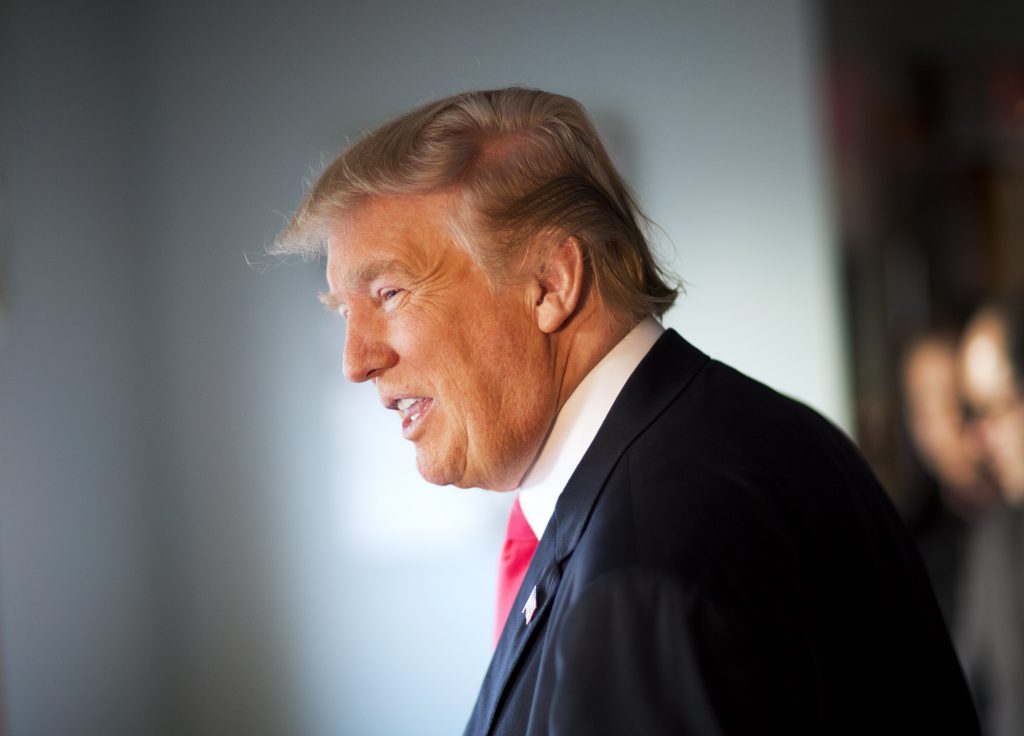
412 410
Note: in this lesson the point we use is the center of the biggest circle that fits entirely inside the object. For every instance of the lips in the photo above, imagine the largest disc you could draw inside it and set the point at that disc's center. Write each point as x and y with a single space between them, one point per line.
412 410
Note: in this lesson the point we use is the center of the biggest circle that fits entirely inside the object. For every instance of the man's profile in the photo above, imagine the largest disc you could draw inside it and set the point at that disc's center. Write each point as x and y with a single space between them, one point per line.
710 557
990 629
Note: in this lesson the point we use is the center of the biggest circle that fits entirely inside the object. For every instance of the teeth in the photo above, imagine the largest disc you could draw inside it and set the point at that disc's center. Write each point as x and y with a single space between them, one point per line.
404 404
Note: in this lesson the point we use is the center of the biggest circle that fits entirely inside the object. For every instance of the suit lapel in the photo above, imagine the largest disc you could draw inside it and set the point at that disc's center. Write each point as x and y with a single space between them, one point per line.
661 376
543 575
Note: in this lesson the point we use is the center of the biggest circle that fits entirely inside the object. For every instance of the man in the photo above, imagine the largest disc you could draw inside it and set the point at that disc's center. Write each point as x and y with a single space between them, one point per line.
933 413
948 491
712 557
992 377
990 630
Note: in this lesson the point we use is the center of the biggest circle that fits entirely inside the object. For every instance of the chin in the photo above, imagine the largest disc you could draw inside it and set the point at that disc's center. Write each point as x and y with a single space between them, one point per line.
1013 492
452 474
437 471
434 476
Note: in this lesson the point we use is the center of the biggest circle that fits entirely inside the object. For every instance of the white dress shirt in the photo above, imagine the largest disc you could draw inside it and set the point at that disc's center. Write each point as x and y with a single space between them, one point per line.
578 421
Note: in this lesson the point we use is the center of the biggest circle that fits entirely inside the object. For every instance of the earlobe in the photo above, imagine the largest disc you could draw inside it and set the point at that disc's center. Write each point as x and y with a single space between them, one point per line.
560 283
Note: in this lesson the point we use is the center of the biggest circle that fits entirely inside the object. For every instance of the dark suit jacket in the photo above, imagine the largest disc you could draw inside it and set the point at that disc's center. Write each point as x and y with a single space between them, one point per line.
990 624
722 562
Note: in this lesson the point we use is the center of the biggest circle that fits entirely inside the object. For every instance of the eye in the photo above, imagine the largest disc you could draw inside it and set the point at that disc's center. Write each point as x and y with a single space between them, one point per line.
389 294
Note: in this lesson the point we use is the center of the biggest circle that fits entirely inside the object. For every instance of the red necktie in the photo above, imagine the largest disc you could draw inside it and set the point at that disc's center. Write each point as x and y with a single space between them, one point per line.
520 542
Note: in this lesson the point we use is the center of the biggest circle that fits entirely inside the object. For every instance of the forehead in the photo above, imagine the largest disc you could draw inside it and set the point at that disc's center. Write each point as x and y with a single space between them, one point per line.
984 362
930 366
931 355
384 234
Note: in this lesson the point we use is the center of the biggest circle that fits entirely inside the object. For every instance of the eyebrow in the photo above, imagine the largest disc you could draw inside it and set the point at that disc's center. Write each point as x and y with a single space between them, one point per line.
330 300
360 276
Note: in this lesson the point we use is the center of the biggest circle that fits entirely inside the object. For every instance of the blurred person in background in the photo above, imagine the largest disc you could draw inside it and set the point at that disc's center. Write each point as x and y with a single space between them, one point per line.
952 489
990 629
707 555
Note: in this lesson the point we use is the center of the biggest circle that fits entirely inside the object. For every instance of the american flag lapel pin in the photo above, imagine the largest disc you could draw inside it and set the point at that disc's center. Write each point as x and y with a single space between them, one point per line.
531 605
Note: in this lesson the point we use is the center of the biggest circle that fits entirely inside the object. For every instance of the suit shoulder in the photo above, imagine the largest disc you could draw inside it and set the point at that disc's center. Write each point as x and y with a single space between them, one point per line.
728 425
733 476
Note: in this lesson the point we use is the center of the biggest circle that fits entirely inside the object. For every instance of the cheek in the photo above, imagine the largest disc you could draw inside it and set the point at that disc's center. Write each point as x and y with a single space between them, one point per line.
528 395
1004 444
503 392
1014 436
429 343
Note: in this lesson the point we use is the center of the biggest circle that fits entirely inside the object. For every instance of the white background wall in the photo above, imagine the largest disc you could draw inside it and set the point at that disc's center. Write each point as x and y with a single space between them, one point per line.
203 529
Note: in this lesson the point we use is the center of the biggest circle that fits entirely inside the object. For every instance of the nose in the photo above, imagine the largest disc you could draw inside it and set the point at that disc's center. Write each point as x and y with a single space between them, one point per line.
367 351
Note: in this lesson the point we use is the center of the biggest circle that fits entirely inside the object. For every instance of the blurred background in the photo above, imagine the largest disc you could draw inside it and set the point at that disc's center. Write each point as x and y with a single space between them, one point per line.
204 530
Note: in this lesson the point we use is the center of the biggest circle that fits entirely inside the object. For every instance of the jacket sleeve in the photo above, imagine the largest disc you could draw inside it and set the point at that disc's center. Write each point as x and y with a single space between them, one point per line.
643 652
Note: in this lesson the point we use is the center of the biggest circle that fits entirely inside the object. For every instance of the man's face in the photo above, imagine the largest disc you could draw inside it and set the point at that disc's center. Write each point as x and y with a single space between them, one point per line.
995 402
460 359
934 413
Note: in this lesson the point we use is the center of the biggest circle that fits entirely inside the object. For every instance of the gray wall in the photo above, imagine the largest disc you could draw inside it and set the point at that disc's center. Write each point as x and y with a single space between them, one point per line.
203 530
76 592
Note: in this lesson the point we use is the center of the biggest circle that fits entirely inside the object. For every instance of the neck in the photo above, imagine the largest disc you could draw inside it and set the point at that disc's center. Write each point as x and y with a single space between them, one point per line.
580 346
573 351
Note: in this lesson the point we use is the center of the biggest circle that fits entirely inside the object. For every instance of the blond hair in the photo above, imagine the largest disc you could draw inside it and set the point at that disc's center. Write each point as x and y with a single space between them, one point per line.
523 162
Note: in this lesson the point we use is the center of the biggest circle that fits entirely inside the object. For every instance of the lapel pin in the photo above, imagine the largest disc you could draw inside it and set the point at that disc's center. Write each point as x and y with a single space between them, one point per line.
531 605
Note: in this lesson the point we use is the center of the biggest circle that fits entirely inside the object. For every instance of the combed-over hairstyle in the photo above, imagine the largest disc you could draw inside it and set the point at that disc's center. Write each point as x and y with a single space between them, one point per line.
523 162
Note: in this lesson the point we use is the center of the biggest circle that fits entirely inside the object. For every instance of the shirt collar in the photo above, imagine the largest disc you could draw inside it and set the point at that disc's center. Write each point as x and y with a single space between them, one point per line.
578 421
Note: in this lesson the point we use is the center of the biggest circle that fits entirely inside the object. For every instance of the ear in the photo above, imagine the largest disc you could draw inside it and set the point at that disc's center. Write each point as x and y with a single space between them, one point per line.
559 284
